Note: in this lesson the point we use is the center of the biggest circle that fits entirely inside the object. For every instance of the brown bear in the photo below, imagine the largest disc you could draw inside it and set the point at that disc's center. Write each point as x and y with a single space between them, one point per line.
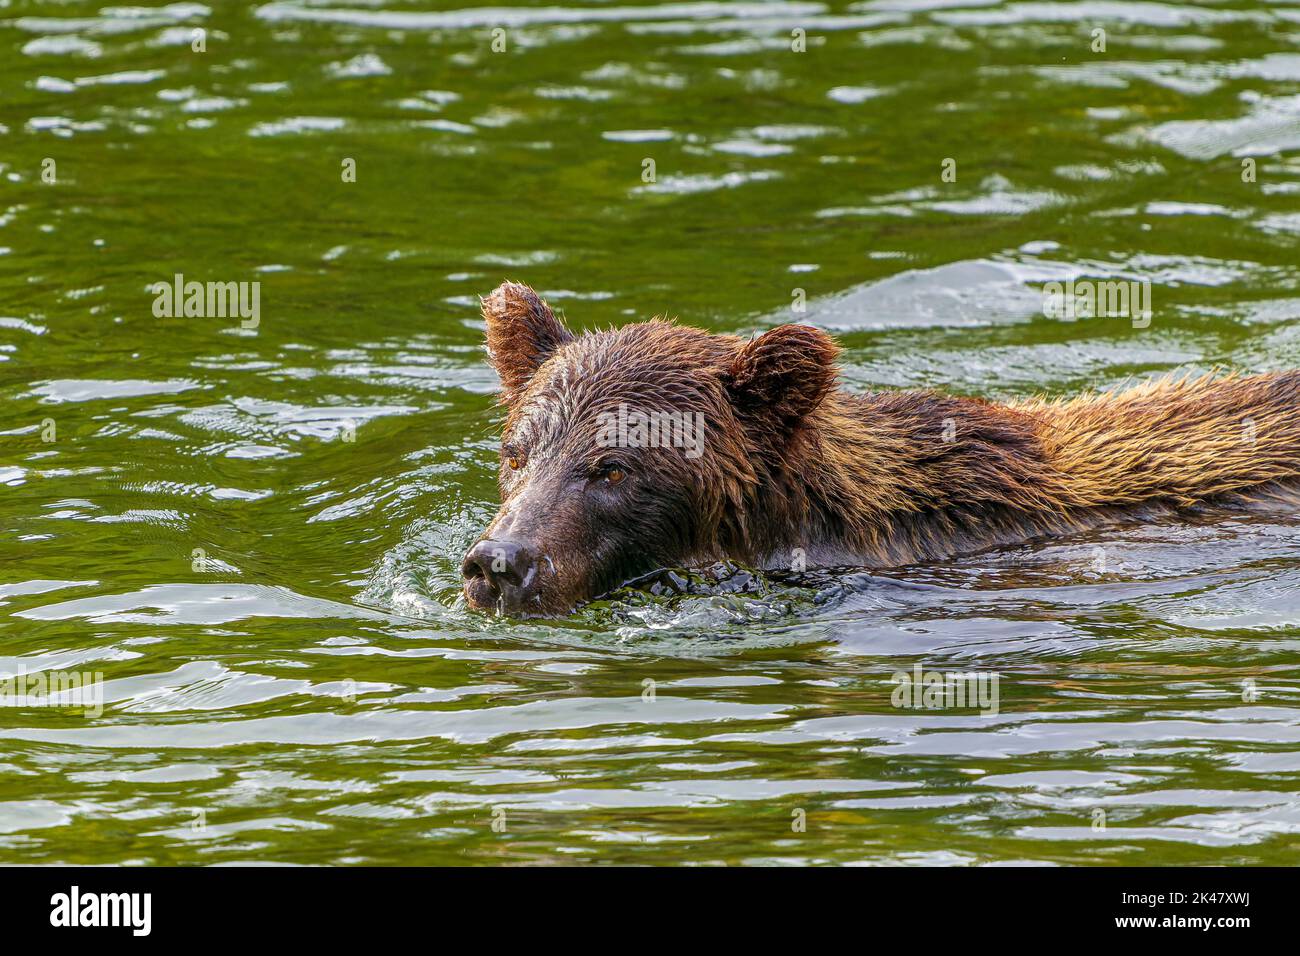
657 445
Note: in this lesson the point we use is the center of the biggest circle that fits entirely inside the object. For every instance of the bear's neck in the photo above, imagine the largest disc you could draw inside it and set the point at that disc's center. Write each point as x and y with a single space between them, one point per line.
892 478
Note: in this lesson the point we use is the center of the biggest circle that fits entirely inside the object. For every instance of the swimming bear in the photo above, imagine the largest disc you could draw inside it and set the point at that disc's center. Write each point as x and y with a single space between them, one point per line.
656 445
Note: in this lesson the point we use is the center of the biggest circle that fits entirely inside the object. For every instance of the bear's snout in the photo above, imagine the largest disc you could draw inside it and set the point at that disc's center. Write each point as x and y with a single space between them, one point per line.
502 574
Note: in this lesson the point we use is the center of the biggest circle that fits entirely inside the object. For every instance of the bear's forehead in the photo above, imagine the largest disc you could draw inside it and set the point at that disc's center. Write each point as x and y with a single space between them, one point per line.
651 366
543 419
572 400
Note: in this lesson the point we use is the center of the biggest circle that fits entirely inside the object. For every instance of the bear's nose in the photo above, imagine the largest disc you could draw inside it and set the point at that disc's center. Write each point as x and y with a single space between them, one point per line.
499 573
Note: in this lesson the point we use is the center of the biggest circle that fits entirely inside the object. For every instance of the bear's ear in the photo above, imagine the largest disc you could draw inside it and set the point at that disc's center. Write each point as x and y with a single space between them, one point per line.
522 332
784 374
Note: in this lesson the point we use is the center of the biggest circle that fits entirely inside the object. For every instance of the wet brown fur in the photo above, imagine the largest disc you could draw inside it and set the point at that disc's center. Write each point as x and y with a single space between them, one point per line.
868 480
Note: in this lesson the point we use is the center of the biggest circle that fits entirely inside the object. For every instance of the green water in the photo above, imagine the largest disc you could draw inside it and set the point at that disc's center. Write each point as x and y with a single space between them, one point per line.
307 687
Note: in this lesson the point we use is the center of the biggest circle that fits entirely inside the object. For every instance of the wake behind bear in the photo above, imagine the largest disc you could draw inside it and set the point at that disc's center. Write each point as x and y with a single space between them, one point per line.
657 445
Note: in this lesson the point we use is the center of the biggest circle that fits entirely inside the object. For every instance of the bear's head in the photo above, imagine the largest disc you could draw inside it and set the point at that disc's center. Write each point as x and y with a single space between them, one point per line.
633 449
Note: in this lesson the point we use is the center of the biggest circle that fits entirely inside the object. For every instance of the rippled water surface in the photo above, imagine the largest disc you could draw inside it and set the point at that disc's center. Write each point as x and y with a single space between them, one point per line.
253 533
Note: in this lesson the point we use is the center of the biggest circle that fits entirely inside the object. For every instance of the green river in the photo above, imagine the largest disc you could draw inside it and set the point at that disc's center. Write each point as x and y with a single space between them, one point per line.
252 529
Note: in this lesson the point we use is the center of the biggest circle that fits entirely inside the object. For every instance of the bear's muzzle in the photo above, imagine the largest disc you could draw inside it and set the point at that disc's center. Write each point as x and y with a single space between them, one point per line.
502 575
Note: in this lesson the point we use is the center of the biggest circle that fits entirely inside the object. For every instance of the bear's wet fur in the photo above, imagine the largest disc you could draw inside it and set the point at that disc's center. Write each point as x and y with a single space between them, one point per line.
795 472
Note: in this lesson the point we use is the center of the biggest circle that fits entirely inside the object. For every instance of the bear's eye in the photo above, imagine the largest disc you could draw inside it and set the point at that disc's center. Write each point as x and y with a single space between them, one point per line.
514 461
615 475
